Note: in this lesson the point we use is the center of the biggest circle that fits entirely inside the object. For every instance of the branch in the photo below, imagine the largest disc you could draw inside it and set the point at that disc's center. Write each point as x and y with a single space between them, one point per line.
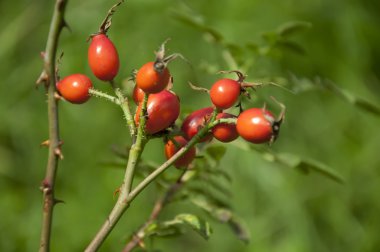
122 203
49 77
126 196
141 186
158 207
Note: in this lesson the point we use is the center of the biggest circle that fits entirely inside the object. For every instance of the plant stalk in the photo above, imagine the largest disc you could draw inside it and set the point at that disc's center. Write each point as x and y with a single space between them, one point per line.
49 76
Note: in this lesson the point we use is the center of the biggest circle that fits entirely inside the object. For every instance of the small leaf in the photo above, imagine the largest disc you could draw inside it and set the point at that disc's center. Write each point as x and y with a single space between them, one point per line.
352 99
239 229
224 216
292 28
271 37
307 165
197 224
367 106
197 22
321 168
253 47
218 172
208 196
291 46
215 35
216 185
163 229
188 19
216 152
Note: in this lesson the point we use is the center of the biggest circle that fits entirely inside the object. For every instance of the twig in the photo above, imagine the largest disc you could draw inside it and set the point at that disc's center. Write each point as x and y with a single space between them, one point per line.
122 203
48 76
127 195
158 207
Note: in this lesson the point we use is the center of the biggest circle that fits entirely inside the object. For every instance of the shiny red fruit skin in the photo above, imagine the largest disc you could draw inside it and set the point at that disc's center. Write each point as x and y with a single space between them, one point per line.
151 81
225 132
224 93
138 95
163 109
171 149
103 58
194 122
255 125
74 88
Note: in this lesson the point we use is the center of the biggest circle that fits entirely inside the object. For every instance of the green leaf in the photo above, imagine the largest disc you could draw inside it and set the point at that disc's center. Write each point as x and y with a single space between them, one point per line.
291 28
348 96
199 225
239 229
367 106
291 46
163 229
271 37
218 172
197 22
216 185
224 216
209 196
188 19
306 165
216 152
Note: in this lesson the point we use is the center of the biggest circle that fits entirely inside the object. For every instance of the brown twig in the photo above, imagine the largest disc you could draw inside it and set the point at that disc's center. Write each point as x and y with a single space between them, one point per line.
139 236
48 77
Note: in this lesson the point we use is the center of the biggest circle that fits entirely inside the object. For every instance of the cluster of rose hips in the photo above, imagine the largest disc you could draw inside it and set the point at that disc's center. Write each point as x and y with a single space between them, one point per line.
256 125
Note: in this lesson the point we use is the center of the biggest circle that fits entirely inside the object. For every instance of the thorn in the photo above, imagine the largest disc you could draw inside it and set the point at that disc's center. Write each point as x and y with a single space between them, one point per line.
43 78
65 24
116 192
58 201
57 96
45 143
42 55
58 152
141 243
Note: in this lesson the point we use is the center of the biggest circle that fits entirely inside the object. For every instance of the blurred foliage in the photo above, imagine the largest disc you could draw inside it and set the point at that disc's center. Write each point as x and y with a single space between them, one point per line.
326 53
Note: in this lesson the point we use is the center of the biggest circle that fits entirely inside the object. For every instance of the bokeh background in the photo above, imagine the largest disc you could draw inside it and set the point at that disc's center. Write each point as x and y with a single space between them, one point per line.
326 52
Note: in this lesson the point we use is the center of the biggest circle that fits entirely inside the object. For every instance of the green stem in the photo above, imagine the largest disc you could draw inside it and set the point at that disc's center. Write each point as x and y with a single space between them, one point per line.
100 94
122 202
49 76
127 195
123 101
158 207
143 184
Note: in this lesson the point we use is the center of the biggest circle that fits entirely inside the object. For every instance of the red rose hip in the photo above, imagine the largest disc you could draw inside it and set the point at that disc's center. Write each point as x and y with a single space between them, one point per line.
171 149
138 95
224 93
152 80
74 88
195 121
163 109
256 125
103 58
225 132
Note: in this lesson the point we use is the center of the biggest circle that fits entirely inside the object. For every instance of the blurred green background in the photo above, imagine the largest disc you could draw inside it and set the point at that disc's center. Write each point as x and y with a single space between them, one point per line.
284 209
